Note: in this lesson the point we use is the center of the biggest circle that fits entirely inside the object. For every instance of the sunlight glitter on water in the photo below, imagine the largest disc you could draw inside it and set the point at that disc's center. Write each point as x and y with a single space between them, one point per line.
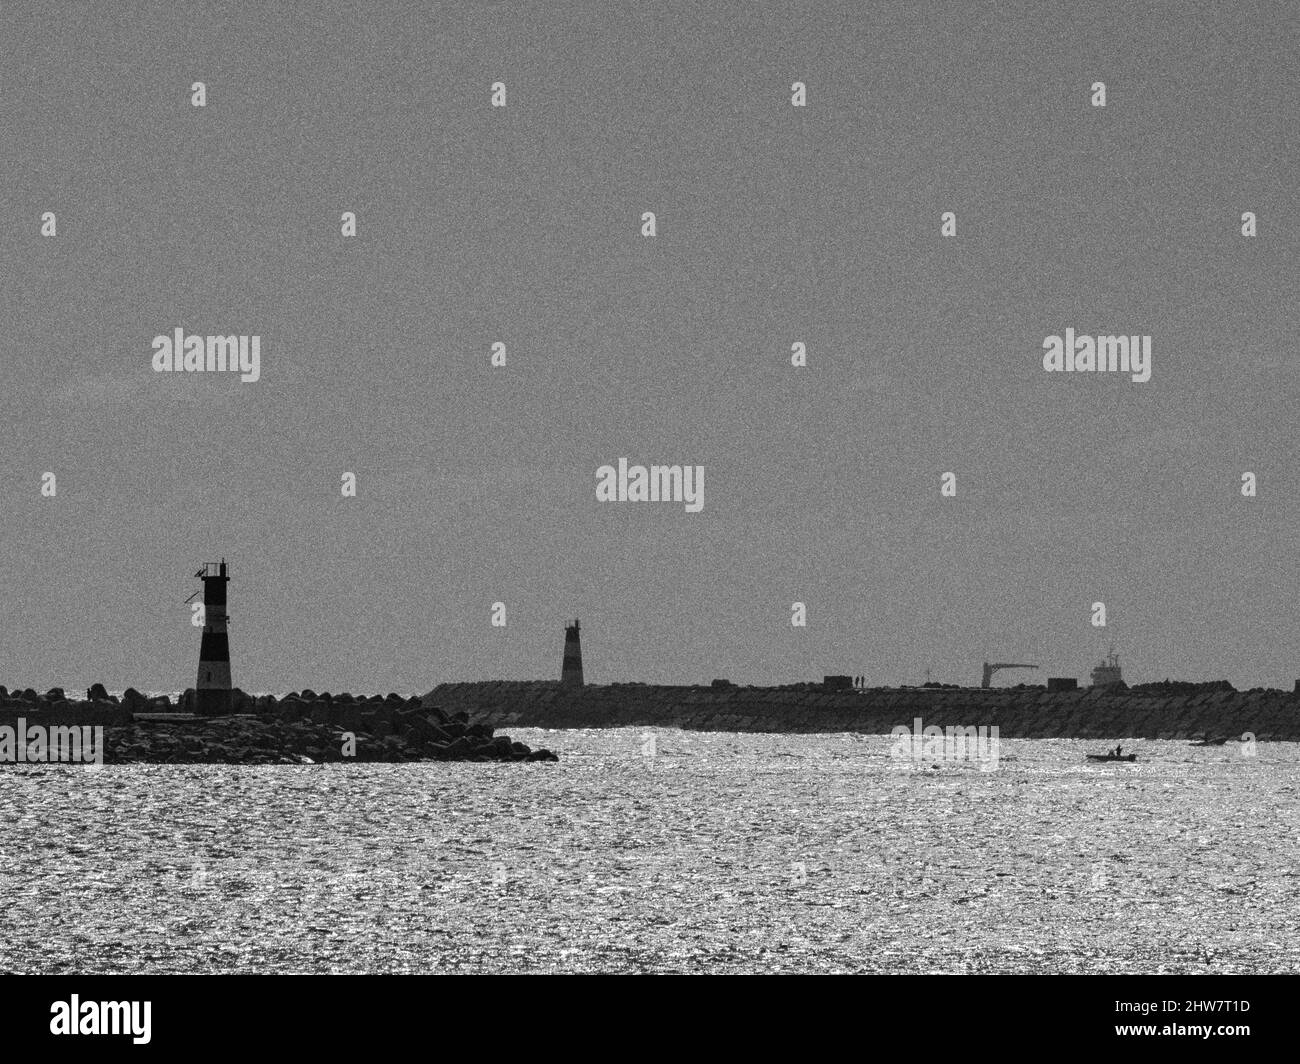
697 851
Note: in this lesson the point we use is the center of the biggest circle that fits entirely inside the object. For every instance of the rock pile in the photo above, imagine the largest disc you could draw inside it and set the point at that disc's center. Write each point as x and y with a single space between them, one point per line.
54 707
301 728
253 740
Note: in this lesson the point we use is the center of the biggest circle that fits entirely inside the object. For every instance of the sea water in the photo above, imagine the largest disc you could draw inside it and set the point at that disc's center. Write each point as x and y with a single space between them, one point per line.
666 851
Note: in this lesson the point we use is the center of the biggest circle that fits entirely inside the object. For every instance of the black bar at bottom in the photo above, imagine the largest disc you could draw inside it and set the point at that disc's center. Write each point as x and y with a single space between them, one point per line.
337 1013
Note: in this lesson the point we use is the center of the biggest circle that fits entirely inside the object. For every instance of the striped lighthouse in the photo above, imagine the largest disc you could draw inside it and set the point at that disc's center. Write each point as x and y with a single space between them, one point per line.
571 672
213 687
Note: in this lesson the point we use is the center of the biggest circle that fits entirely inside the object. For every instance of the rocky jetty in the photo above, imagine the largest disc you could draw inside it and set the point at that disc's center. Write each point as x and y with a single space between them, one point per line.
1150 711
299 729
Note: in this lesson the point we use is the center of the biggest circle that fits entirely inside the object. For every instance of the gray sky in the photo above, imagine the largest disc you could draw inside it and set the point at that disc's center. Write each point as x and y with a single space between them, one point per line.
521 225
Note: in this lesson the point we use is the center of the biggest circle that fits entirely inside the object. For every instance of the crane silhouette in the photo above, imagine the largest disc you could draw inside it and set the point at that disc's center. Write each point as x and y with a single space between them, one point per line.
991 668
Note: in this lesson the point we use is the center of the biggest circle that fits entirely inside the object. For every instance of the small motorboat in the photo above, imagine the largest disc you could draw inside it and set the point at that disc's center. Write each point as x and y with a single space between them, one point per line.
1112 757
1210 742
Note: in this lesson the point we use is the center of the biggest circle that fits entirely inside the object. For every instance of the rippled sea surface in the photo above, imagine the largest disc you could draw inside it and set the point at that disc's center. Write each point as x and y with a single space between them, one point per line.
662 851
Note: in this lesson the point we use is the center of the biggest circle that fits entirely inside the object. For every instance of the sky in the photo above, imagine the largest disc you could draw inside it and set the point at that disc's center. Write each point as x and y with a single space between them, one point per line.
523 225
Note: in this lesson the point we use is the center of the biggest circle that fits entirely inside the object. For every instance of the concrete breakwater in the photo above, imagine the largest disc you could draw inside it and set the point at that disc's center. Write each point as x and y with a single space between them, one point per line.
303 727
1176 711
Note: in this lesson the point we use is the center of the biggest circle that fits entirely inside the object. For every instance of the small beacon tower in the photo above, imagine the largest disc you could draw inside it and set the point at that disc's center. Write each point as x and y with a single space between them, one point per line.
571 673
213 688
